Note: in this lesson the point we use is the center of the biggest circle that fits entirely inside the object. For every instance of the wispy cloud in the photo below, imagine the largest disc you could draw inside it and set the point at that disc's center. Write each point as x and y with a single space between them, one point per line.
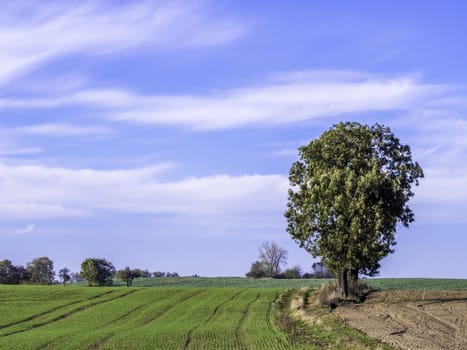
32 33
439 144
9 146
25 230
35 191
290 98
60 129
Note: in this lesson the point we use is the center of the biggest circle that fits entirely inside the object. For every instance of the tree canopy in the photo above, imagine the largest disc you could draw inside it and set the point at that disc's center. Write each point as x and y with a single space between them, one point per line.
97 271
11 274
128 275
348 192
64 275
41 270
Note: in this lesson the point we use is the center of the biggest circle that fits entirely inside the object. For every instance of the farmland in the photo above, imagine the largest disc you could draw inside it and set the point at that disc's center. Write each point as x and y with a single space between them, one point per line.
138 318
184 313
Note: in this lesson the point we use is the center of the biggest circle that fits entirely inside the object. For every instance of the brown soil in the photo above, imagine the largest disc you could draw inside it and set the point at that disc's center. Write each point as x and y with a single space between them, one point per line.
412 319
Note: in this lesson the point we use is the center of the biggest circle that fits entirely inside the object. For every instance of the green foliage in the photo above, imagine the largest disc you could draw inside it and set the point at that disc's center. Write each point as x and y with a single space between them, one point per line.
97 272
349 190
127 275
11 274
41 270
257 270
64 275
292 273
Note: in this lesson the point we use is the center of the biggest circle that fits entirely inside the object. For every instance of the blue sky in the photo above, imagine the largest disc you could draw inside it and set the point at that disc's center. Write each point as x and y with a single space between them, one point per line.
160 134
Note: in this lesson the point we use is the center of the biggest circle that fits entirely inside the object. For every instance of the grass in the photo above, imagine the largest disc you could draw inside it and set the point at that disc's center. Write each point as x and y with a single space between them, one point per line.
322 330
417 283
229 282
241 282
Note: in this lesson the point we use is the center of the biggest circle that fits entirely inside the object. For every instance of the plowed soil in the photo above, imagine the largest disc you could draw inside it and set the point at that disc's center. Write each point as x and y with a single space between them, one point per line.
412 319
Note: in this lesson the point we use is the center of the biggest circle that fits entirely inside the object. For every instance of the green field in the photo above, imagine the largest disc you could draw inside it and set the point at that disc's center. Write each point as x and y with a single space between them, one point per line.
240 282
179 314
138 318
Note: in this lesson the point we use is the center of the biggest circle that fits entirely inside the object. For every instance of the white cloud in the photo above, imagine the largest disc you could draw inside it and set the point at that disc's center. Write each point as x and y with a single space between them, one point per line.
288 99
60 129
32 33
28 229
9 151
35 191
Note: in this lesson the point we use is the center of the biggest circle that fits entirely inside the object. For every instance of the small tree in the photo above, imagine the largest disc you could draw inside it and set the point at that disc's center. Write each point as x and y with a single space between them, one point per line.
257 270
97 272
273 257
127 275
41 270
64 275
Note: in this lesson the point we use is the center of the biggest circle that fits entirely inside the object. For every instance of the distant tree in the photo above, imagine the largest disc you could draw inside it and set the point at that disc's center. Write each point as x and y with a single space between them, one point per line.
41 270
319 270
64 275
76 277
22 274
348 192
9 273
127 275
158 274
172 274
145 273
257 270
293 272
97 272
273 257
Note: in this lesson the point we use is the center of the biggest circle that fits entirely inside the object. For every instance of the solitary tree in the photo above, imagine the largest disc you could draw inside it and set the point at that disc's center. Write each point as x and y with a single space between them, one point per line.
97 271
273 257
349 190
41 270
64 275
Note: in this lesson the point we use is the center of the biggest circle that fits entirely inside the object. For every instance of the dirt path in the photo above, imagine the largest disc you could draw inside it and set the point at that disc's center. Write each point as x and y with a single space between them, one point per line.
412 319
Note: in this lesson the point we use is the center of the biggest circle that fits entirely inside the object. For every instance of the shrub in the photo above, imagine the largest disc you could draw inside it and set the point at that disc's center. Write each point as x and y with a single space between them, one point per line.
328 295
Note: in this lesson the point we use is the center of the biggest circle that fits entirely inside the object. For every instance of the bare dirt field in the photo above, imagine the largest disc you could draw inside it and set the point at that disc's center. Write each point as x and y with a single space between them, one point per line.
412 319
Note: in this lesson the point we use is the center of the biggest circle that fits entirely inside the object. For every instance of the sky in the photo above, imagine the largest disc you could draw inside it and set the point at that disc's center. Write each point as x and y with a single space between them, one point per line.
159 134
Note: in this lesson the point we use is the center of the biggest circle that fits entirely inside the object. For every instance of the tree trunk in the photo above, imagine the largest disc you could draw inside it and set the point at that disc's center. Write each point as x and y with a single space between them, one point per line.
354 275
343 285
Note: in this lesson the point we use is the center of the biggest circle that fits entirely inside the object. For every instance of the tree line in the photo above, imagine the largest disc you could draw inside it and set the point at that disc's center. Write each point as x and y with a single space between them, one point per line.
94 272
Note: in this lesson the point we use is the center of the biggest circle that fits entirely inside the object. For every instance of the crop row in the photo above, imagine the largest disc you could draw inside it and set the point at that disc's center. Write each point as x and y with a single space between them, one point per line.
140 318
